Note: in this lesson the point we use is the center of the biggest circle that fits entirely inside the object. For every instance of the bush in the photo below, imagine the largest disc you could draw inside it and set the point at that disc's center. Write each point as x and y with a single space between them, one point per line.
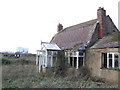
84 71
97 79
22 61
6 61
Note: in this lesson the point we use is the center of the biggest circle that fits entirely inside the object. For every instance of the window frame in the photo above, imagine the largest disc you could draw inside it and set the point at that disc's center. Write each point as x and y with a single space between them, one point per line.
108 58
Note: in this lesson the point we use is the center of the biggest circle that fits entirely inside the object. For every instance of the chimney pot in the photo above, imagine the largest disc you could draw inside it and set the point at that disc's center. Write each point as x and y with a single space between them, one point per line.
59 27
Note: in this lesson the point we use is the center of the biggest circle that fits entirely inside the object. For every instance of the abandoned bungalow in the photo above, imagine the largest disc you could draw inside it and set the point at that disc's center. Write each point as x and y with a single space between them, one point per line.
93 44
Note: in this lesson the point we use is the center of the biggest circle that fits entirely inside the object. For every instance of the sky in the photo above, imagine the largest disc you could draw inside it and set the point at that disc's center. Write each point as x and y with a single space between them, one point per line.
24 23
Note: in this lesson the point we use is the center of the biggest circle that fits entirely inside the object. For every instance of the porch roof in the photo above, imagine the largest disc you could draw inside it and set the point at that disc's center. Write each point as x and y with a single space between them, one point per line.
50 46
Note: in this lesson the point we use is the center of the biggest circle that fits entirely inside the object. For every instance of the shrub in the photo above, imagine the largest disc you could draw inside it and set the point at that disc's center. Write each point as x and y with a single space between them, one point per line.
97 79
84 71
6 61
22 61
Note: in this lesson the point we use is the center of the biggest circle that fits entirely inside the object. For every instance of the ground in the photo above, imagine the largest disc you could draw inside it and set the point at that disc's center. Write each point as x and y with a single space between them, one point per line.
24 74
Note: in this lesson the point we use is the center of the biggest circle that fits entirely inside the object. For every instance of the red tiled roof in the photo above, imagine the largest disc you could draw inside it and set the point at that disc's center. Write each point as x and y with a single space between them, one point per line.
75 36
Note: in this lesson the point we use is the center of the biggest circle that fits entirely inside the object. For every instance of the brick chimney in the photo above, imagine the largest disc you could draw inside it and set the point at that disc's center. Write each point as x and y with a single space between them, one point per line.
59 27
101 16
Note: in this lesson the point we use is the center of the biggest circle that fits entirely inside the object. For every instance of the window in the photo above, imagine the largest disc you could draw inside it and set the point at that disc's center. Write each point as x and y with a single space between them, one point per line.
80 62
71 61
81 54
110 60
55 53
75 53
75 61
49 53
65 53
116 60
104 60
70 53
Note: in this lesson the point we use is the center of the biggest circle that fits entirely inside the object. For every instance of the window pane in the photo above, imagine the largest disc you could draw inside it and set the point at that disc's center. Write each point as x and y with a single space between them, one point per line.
116 60
116 56
71 62
110 55
80 62
74 53
70 53
80 53
104 60
110 62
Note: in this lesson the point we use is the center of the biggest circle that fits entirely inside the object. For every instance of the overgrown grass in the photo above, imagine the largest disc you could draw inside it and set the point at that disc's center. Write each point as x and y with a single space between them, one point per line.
26 75
8 61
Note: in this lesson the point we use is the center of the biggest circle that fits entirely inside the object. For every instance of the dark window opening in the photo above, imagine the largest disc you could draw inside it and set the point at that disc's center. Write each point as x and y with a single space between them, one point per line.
110 60
116 64
75 61
80 62
70 61
110 63
81 54
104 60
110 55
116 61
70 53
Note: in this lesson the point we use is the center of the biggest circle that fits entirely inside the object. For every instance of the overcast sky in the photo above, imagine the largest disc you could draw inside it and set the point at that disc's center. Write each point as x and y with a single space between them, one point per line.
24 23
